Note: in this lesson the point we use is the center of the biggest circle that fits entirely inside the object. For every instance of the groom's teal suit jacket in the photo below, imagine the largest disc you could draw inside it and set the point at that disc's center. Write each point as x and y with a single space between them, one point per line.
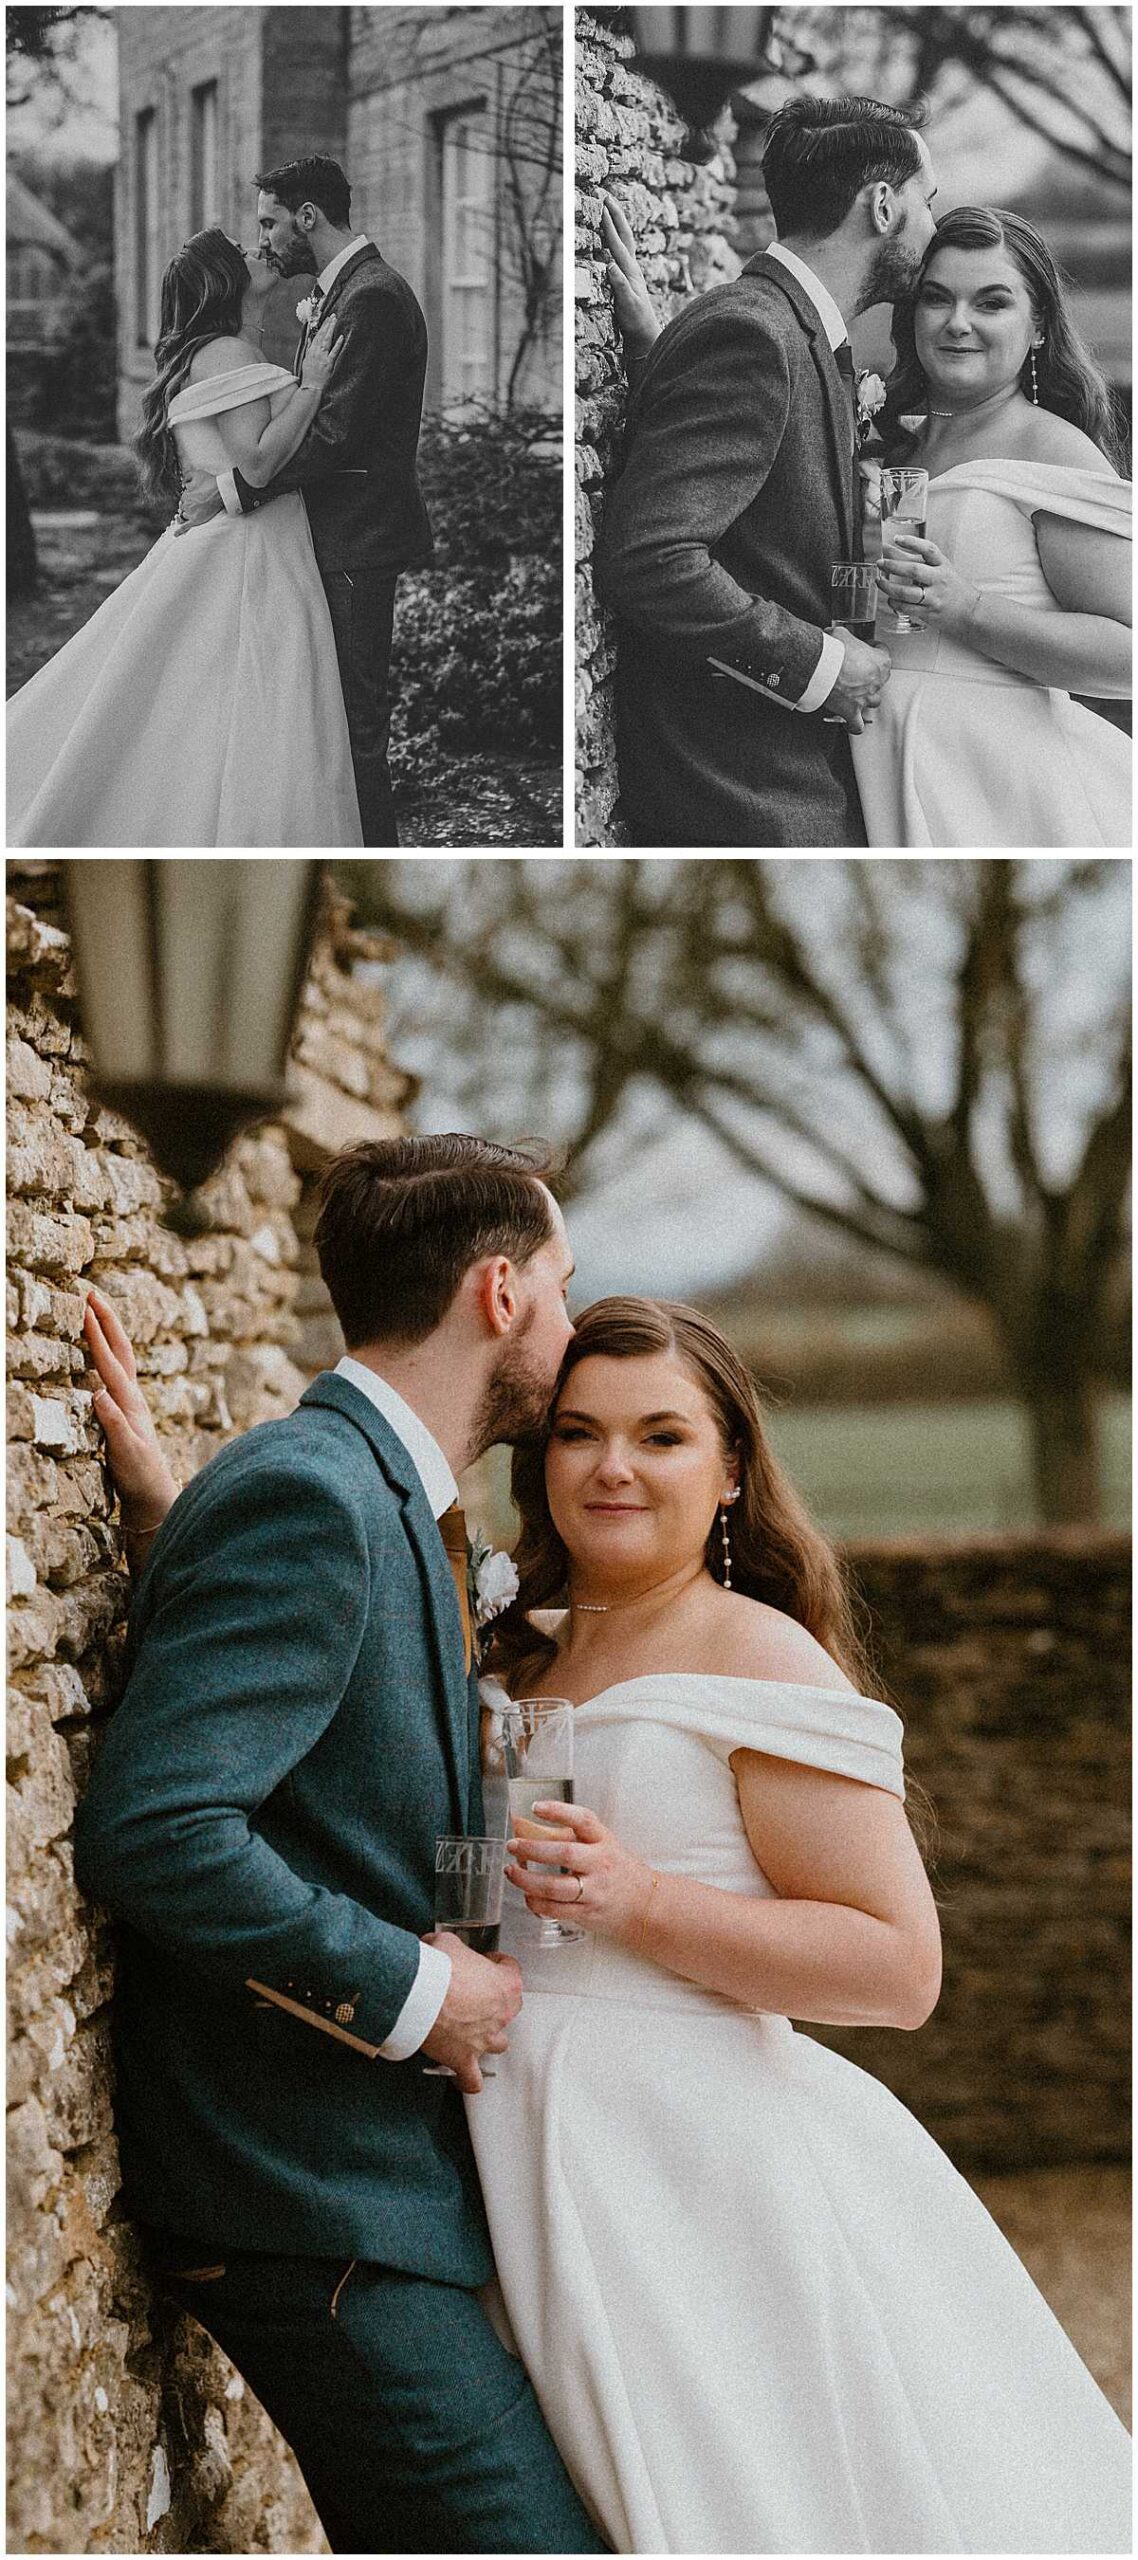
297 1727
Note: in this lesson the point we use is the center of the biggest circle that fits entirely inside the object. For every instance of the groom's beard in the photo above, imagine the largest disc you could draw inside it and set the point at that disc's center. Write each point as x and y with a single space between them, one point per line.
295 259
516 1403
892 275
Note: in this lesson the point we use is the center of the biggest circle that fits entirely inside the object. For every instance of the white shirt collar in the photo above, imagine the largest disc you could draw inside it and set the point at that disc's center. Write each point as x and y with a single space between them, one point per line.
328 274
824 303
432 1468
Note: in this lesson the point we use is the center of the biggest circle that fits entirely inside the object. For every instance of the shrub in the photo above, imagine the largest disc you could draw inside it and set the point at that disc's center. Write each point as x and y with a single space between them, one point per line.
492 483
477 655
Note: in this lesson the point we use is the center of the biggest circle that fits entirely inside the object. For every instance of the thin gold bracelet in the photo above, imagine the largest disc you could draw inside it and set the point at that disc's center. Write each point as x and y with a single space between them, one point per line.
644 1914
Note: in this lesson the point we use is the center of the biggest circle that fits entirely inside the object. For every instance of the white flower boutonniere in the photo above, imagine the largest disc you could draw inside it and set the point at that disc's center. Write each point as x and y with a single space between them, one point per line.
306 311
492 1579
870 394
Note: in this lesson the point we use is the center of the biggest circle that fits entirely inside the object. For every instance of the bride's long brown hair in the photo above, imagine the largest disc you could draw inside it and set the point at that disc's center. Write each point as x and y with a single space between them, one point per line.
202 292
777 1553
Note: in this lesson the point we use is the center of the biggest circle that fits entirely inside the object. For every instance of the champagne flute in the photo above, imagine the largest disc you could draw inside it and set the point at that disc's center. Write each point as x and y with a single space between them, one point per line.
905 503
469 1875
853 592
531 1740
853 608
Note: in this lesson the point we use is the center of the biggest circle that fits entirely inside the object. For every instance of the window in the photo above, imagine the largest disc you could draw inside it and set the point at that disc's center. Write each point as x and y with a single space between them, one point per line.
468 263
203 155
147 288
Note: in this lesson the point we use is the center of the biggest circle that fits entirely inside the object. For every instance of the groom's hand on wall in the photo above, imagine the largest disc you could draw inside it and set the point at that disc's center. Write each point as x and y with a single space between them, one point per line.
485 1994
865 674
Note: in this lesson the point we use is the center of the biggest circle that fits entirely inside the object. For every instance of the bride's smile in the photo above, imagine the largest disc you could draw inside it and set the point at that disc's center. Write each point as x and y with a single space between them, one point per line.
635 1473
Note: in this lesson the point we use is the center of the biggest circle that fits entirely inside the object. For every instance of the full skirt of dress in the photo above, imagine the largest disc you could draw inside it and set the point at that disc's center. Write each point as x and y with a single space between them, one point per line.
980 759
761 2309
200 706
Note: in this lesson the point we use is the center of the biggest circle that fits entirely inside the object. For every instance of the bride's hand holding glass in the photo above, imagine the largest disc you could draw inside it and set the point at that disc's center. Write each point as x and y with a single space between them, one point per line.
596 1882
918 579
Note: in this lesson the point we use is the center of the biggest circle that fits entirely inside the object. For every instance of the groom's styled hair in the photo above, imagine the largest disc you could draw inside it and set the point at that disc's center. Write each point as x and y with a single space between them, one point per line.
820 152
402 1219
318 181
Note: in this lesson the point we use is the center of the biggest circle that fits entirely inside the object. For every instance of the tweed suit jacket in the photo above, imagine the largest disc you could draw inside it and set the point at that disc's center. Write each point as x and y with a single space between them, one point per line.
357 465
735 499
297 1728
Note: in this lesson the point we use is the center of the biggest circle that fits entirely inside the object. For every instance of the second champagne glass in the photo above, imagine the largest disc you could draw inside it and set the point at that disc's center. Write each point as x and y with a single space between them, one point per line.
469 1875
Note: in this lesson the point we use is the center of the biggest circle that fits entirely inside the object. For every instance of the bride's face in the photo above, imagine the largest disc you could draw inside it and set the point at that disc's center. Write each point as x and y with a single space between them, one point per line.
261 275
635 1469
973 324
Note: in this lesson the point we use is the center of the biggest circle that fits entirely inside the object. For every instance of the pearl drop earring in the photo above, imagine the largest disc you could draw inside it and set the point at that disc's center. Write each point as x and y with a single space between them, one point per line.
728 1497
1034 381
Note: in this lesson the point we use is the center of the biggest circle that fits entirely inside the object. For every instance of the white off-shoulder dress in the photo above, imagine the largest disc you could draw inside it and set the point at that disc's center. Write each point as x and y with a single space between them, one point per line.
761 2310
201 705
963 752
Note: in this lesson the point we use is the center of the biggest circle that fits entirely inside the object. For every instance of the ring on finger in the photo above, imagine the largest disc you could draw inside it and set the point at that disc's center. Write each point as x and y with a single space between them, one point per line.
580 1894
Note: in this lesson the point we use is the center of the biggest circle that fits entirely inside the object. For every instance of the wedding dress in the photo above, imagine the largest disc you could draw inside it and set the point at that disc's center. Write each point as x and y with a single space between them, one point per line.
962 751
761 2310
201 705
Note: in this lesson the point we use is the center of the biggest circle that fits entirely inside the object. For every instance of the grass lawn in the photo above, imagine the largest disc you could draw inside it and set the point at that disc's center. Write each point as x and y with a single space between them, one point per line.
881 1471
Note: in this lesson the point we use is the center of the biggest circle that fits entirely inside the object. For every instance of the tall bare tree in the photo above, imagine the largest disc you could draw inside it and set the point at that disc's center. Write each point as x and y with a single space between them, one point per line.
931 1057
1063 72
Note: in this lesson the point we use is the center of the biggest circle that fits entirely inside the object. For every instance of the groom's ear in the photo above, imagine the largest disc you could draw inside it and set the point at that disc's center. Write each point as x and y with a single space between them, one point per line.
881 206
496 1292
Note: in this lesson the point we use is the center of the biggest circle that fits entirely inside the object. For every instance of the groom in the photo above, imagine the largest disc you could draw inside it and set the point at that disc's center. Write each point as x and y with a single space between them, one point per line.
300 1722
357 464
739 493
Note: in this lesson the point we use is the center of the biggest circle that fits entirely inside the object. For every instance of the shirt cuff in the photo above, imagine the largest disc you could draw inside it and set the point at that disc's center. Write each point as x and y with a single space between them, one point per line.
825 675
227 492
421 2006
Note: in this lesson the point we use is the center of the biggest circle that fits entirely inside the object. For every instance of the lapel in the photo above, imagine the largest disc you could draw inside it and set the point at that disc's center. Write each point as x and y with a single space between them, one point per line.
350 268
441 1605
837 406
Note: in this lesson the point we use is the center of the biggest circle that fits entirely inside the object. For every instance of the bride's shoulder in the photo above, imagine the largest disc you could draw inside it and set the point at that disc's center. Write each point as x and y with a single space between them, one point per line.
1052 440
221 355
754 1641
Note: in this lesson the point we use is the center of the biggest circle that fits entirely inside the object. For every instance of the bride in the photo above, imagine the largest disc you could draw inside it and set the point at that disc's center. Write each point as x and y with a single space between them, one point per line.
201 705
1021 594
760 2309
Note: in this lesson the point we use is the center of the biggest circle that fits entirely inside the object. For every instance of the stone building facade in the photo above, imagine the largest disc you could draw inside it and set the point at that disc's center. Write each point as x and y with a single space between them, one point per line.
628 142
448 122
128 2431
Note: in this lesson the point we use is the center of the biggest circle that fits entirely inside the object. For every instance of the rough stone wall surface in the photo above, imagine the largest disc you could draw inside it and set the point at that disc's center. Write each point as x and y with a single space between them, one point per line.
128 2431
1009 1660
628 144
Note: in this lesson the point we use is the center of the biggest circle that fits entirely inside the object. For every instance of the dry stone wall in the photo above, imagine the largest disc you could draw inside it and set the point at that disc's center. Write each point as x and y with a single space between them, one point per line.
128 2431
628 144
1009 1659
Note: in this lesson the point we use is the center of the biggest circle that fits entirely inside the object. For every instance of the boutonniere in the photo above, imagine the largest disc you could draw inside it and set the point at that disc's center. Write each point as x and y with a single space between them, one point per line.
870 397
491 1579
306 311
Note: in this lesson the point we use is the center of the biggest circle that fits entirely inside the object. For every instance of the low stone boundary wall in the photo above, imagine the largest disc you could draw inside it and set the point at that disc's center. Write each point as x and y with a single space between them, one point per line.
1009 1658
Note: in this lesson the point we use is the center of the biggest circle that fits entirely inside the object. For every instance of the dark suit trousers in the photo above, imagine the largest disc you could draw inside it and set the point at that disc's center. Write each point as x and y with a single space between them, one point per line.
362 605
414 2428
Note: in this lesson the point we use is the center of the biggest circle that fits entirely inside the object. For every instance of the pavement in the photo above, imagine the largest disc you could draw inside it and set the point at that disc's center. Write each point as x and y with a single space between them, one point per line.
1071 2227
